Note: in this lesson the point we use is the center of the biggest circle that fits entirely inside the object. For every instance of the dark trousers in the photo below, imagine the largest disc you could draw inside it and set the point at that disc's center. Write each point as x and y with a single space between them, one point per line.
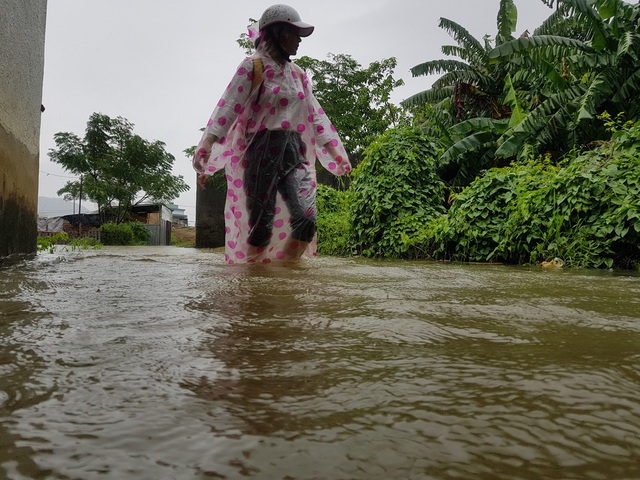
275 159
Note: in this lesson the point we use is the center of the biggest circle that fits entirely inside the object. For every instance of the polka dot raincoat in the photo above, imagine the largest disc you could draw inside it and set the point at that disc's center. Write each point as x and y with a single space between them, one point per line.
282 105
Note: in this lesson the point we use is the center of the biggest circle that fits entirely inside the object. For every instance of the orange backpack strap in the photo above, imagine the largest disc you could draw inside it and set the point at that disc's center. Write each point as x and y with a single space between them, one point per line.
258 68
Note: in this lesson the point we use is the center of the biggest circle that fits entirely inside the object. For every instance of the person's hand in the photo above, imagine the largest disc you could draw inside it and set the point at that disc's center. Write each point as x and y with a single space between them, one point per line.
202 181
200 158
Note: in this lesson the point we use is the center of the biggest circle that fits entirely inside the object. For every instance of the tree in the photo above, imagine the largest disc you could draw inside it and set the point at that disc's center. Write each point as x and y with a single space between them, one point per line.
584 62
356 99
117 168
470 92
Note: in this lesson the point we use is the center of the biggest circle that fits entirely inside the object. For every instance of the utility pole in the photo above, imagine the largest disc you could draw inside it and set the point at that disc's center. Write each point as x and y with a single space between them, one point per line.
80 209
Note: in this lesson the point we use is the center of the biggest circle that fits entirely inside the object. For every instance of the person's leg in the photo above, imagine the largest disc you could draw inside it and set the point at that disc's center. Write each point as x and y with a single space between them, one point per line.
300 198
261 178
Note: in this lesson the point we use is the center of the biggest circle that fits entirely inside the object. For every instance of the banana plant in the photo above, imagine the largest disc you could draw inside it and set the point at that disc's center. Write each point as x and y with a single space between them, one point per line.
470 87
583 61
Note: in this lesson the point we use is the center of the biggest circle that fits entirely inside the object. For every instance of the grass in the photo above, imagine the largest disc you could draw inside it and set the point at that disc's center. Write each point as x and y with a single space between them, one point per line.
183 236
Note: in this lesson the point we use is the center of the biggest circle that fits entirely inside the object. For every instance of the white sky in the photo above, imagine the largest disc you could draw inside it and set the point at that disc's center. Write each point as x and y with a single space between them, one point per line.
163 64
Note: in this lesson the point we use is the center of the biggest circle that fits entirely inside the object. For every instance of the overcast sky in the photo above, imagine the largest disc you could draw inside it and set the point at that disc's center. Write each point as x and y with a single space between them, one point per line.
163 64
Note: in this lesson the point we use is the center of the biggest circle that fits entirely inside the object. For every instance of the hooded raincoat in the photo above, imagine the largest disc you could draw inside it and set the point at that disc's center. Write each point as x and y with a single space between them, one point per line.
270 137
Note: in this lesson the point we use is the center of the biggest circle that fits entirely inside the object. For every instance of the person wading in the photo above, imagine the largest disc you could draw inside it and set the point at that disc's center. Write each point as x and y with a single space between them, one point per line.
266 132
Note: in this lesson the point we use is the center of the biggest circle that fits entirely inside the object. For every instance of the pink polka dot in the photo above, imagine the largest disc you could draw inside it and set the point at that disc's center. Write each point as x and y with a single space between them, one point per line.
240 255
222 121
276 90
347 169
313 184
304 192
301 95
294 74
282 236
256 108
232 244
238 183
270 74
301 128
285 125
240 89
221 102
339 159
309 212
235 159
229 178
273 111
212 169
320 129
238 108
230 193
238 213
227 230
278 210
321 111
284 102
266 260
332 166
333 129
310 118
278 223
334 142
280 255
242 71
210 122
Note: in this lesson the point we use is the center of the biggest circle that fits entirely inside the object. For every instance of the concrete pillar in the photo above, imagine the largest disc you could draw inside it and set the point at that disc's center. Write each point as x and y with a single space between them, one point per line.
22 35
210 215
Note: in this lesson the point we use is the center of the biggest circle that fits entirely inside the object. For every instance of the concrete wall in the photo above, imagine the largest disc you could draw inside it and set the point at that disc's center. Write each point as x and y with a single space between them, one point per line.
210 218
22 35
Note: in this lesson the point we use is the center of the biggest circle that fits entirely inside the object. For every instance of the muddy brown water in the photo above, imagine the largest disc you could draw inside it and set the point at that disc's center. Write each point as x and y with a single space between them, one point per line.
165 363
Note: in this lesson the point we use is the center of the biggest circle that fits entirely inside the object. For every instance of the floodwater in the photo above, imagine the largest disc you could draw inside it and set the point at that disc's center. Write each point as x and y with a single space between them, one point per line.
165 363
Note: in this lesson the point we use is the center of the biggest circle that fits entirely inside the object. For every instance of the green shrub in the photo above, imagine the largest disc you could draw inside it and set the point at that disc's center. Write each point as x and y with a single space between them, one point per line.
585 211
116 234
395 192
334 226
141 234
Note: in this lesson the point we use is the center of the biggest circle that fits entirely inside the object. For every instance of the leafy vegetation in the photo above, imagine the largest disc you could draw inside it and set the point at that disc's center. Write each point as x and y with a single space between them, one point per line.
334 227
130 233
394 191
62 241
117 168
585 211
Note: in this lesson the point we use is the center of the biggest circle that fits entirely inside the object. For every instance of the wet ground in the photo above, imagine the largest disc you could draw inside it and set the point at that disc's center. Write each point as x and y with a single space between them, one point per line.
165 363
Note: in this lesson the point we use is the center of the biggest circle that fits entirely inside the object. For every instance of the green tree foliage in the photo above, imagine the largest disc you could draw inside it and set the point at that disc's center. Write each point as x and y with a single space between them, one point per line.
356 99
118 168
395 191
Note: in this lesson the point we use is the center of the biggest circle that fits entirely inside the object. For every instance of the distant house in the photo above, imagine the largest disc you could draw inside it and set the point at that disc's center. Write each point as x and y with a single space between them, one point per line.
180 219
157 217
